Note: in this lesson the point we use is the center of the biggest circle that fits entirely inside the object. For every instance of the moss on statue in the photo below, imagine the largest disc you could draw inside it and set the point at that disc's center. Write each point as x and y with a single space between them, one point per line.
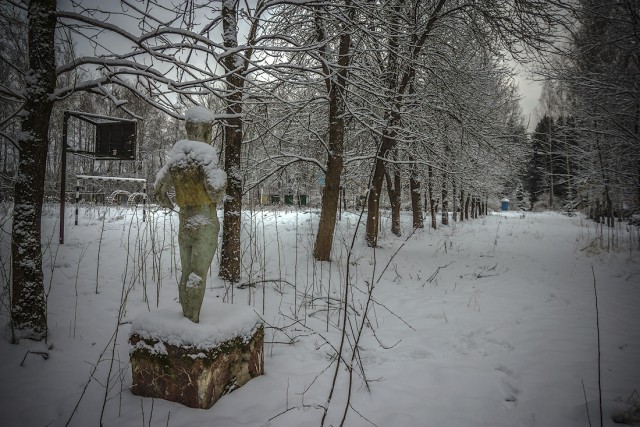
192 376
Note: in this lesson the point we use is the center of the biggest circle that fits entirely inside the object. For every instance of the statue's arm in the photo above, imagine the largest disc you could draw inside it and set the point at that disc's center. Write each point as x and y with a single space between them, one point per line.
216 184
163 185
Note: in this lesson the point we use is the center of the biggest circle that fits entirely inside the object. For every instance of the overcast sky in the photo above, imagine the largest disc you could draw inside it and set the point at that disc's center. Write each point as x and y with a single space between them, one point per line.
530 92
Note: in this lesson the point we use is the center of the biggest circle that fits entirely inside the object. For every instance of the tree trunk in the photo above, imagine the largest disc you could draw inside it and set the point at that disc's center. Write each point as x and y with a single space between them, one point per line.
399 79
389 136
474 207
230 256
455 201
432 202
331 192
28 299
373 202
551 178
466 207
394 191
414 186
335 162
230 250
445 200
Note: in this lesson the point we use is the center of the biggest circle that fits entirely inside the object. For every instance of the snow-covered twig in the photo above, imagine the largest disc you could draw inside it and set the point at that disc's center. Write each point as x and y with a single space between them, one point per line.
595 291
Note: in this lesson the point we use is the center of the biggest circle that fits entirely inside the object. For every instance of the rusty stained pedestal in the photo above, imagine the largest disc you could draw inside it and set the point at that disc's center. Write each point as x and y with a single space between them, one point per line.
190 374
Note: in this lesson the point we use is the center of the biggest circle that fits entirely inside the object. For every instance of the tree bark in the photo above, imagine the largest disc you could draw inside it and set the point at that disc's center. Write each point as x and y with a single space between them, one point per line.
230 256
551 172
466 207
394 191
455 200
28 299
373 202
432 202
416 206
445 200
388 140
335 162
473 207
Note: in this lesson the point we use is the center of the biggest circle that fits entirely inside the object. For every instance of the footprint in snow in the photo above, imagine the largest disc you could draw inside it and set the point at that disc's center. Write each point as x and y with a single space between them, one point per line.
509 387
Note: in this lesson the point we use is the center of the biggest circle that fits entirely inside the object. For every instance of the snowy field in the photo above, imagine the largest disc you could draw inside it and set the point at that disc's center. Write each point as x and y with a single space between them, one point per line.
490 322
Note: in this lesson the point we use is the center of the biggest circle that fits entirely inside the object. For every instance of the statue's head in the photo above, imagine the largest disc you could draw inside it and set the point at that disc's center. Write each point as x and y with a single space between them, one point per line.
198 123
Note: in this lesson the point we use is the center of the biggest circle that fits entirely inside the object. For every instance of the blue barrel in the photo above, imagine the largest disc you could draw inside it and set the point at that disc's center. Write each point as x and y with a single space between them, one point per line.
504 204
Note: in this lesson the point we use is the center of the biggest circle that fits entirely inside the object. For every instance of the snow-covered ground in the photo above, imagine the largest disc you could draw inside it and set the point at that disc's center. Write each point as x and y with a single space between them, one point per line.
489 322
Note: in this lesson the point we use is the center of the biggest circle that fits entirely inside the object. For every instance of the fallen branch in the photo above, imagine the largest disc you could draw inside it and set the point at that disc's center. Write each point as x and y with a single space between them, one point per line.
435 274
44 355
255 283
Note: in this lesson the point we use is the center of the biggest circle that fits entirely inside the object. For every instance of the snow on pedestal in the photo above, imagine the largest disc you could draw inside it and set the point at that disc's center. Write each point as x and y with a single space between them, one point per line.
195 364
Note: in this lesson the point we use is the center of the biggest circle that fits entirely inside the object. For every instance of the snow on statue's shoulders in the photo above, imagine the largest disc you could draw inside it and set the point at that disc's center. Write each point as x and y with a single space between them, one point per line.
187 152
219 322
199 114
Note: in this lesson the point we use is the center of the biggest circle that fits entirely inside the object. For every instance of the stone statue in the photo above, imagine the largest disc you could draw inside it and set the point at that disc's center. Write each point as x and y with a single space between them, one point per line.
199 183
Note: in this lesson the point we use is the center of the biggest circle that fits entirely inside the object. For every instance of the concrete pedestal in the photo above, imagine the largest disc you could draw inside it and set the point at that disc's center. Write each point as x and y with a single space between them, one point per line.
195 364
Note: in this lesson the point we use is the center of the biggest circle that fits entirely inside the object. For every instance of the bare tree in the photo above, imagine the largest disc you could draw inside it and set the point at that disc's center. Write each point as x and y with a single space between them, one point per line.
28 308
336 76
511 26
28 302
600 70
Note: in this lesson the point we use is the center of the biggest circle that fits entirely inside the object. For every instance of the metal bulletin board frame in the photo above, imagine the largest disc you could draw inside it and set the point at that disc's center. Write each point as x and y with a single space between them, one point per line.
114 138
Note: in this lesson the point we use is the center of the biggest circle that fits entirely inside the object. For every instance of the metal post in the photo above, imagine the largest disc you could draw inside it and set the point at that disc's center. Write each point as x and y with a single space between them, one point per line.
144 201
77 198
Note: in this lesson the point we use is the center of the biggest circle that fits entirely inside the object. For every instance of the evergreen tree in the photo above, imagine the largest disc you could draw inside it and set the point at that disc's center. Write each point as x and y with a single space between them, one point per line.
520 198
536 184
